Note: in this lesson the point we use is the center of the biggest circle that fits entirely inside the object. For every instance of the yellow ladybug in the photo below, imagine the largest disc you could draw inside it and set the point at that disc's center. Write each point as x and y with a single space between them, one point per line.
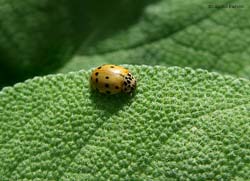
112 79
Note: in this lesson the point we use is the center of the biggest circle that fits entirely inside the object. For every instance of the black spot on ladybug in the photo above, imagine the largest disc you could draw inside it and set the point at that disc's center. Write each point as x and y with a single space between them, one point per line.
96 73
107 85
116 87
100 67
125 89
112 66
96 80
130 78
107 77
128 82
108 92
125 83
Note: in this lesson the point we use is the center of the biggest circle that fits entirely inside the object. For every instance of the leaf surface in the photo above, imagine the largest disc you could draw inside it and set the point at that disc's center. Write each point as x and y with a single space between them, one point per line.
177 34
181 123
44 37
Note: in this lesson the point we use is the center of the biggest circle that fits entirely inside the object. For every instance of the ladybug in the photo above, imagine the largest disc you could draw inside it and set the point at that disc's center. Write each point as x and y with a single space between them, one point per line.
112 79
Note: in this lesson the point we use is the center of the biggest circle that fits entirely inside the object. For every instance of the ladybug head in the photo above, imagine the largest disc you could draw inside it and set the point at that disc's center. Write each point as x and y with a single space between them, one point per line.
129 83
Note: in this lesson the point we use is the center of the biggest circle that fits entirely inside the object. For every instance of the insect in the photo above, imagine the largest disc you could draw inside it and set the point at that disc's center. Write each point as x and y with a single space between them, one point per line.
112 79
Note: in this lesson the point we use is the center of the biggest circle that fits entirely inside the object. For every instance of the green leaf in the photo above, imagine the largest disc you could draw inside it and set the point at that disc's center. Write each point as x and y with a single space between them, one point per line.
177 33
180 123
38 37
34 37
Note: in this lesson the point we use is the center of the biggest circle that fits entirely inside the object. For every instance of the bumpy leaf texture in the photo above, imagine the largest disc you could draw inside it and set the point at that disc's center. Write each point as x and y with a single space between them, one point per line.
180 123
